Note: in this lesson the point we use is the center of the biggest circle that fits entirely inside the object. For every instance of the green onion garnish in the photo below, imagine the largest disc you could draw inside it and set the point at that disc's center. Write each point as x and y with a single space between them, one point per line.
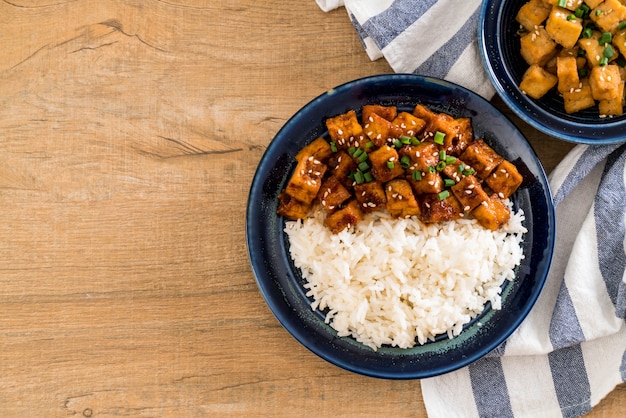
603 61
450 159
441 165
582 73
587 33
562 3
390 164
357 153
439 137
333 146
571 17
443 195
358 177
448 183
417 175
351 150
405 139
369 144
364 166
367 176
432 169
605 38
442 155
621 26
405 161
608 52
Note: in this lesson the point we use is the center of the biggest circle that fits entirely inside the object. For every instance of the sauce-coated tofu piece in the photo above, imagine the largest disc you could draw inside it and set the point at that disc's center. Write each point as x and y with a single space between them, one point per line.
401 201
370 196
344 218
291 208
332 194
340 165
481 157
421 156
493 213
385 164
504 180
386 112
408 124
344 129
458 133
319 148
306 179
433 209
469 192
378 129
426 183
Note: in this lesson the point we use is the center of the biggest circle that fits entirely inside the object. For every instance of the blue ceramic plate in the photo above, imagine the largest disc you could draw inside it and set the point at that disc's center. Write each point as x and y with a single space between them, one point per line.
500 51
281 283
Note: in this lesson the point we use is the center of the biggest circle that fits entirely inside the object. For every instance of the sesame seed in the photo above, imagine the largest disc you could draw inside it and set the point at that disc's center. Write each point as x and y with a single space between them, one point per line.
468 192
466 208
501 195
339 131
371 119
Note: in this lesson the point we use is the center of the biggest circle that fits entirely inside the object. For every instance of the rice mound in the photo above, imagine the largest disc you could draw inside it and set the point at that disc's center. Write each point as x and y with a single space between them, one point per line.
399 281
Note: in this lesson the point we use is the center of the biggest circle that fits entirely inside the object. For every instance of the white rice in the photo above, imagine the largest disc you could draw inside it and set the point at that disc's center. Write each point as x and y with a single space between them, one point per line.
398 281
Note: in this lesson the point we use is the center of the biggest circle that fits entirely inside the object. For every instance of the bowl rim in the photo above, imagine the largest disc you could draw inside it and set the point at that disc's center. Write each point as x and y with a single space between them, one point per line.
288 315
600 132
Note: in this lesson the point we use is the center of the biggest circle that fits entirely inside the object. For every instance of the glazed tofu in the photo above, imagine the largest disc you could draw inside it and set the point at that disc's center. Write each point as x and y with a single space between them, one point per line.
344 129
370 196
401 201
594 52
492 213
378 129
567 73
319 148
427 182
533 13
455 170
407 124
564 27
537 47
433 209
344 218
421 156
504 180
481 157
306 179
291 208
578 99
536 82
604 82
469 192
340 165
457 132
608 15
332 194
423 113
613 107
385 164
387 112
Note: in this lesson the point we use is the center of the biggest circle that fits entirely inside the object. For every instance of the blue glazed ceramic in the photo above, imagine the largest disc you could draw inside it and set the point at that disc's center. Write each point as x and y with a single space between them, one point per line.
281 283
500 50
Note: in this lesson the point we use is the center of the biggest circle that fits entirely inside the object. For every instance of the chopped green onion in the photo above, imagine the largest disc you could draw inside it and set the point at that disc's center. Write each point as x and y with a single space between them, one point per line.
605 38
432 169
357 153
562 3
582 11
439 137
621 26
468 172
414 141
333 146
582 73
351 175
581 52
587 33
571 17
369 144
608 52
367 176
443 195
405 139
461 167
397 143
351 150
442 155
405 161
359 178
390 164
417 175
621 61
441 165
364 166
448 183
450 159
362 157
603 61
598 12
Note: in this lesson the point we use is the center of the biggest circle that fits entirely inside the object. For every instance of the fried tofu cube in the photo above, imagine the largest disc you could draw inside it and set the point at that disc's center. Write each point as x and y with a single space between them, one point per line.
536 82
454 170
469 192
319 148
567 73
533 13
332 194
344 129
385 164
591 3
457 132
613 107
564 27
401 201
578 99
569 5
537 47
378 129
387 112
306 179
407 124
340 165
291 208
370 196
604 82
619 42
434 209
423 113
421 156
427 182
345 217
594 52
608 15
481 157
505 179
492 213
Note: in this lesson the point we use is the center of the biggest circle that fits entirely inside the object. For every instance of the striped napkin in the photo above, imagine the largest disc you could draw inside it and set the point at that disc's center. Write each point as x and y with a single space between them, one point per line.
570 352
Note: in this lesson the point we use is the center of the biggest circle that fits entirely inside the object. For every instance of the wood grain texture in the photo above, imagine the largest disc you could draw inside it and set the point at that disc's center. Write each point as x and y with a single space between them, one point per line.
129 134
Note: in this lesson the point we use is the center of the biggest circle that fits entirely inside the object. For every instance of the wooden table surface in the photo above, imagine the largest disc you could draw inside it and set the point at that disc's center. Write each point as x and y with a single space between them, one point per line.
129 134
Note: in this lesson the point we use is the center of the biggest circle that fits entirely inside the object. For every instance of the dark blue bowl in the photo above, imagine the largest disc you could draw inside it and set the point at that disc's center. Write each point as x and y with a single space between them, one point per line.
281 283
500 50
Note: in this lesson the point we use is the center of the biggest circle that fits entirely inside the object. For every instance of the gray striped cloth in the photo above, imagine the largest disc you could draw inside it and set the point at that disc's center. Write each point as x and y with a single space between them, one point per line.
570 352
